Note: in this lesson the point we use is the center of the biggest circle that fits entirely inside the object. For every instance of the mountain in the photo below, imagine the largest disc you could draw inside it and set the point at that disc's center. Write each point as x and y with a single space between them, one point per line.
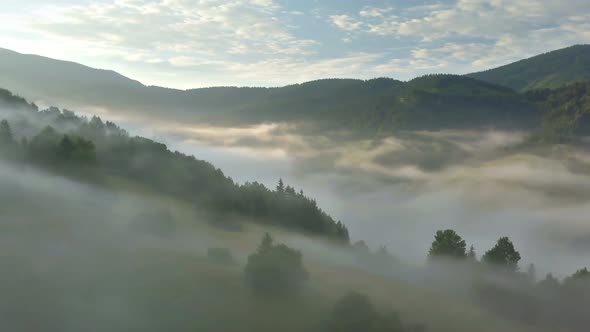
62 142
567 115
382 104
546 71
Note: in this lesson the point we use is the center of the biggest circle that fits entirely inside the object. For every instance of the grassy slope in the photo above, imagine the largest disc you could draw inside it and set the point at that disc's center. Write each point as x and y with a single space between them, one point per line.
439 311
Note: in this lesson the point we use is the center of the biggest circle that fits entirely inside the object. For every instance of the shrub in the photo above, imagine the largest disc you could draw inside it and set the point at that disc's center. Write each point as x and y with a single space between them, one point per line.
275 269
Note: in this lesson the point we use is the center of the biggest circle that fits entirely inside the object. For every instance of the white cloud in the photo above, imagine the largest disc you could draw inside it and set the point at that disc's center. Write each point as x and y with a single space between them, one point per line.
375 11
179 28
497 31
345 22
190 43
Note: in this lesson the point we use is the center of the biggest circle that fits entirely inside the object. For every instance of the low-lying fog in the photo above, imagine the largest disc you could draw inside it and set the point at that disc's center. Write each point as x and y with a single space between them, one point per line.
399 190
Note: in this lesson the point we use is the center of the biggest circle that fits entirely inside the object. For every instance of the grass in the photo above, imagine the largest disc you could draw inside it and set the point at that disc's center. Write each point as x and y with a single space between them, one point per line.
95 279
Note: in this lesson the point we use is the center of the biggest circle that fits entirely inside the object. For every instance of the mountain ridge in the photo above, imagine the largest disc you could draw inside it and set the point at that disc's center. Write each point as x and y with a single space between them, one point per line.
441 101
552 70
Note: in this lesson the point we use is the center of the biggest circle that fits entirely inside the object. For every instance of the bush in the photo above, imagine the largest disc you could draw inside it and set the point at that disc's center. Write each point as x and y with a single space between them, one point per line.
275 269
355 312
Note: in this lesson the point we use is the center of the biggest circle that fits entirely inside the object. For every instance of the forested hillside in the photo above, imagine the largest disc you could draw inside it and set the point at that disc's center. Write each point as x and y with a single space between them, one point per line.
65 143
378 106
382 104
546 71
567 115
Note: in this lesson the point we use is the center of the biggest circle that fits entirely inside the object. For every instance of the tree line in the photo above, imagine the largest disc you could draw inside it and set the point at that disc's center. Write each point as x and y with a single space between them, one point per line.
501 286
61 141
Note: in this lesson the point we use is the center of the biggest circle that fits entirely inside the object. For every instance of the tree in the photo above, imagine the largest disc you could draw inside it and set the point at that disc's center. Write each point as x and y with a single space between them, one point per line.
66 148
550 282
503 254
580 277
266 243
275 269
447 243
281 186
6 137
354 312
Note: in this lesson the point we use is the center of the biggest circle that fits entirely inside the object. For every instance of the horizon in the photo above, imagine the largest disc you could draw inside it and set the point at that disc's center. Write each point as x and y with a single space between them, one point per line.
273 43
283 85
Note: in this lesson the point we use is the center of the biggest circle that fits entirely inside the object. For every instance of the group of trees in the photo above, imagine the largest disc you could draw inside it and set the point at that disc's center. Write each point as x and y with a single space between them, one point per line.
48 148
567 115
448 244
277 270
354 312
62 141
500 286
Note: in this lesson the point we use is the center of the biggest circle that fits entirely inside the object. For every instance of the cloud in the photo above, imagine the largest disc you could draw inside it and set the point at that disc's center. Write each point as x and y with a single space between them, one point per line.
345 22
375 11
472 35
189 44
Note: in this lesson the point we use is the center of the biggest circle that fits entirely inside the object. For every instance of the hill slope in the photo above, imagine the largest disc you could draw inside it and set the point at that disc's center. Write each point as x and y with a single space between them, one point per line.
93 150
546 71
430 102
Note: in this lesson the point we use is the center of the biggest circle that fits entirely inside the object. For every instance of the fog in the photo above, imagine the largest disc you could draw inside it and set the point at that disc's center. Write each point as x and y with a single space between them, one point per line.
84 256
397 190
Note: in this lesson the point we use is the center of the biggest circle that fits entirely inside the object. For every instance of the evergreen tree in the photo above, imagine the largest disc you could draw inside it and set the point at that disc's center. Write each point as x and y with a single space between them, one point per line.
281 186
447 243
6 137
580 277
503 254
266 243
66 148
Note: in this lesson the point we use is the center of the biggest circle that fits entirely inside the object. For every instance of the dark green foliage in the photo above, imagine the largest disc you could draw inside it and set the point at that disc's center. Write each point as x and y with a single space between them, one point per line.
365 106
275 269
102 148
6 137
550 70
447 244
56 150
8 145
77 150
288 208
550 282
580 277
503 255
355 312
221 256
567 115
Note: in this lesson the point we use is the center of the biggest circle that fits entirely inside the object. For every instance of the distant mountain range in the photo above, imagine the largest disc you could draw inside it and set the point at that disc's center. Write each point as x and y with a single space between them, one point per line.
492 98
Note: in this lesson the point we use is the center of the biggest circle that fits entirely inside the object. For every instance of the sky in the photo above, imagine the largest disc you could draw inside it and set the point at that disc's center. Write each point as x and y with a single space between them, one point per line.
198 43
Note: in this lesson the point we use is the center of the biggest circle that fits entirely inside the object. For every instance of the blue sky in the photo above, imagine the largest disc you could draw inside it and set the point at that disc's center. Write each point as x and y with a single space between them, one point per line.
196 43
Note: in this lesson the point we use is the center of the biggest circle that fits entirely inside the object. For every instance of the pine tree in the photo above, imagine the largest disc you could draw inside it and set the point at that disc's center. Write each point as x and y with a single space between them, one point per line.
6 137
281 186
266 243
